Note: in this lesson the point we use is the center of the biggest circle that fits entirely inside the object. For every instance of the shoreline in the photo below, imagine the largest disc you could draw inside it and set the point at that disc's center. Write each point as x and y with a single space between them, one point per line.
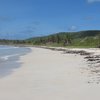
91 54
10 59
50 75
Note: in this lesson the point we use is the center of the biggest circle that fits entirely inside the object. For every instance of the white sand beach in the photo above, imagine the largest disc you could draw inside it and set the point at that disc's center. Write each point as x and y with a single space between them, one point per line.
49 75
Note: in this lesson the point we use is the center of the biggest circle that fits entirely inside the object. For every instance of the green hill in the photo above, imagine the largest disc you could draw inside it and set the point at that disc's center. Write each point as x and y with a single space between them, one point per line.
90 38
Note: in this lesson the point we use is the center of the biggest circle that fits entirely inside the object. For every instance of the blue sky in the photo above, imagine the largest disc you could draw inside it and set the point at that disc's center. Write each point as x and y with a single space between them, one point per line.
21 19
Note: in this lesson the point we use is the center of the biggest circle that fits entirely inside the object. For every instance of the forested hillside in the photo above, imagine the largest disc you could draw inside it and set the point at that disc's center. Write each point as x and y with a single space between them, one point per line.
89 38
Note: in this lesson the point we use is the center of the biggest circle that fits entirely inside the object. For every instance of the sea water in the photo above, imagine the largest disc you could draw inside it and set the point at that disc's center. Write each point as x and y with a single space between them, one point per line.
9 56
7 52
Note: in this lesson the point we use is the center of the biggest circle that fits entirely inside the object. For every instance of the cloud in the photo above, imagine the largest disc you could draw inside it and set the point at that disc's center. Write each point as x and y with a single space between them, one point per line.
21 32
89 18
5 19
76 27
72 28
36 23
92 1
29 31
88 25
33 27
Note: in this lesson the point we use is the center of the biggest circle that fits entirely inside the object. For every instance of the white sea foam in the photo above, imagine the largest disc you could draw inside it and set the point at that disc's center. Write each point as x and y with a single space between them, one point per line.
9 48
8 56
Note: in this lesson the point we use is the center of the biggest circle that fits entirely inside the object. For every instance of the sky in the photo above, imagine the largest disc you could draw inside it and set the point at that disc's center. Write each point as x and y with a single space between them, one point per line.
21 19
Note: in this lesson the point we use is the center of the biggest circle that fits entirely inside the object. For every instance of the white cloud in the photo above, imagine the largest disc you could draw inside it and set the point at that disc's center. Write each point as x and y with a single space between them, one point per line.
72 28
89 18
92 1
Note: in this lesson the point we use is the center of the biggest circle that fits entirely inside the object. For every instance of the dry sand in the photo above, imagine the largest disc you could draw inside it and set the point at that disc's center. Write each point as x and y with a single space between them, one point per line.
49 75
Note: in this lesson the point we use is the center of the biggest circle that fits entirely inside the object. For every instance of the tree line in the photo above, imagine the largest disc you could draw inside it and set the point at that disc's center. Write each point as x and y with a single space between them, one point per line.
82 38
60 38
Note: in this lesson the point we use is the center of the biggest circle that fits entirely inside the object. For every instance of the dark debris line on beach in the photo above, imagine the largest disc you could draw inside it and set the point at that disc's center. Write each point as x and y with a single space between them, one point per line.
94 68
93 62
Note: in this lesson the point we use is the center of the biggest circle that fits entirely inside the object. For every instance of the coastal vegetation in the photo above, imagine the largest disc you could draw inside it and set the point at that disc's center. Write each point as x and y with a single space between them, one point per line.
90 38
